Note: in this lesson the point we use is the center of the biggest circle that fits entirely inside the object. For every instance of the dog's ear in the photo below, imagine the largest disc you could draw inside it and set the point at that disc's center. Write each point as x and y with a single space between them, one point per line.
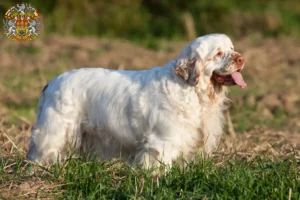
188 70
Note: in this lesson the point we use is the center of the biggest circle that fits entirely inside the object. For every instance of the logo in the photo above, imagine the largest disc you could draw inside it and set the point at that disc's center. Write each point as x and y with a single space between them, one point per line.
21 23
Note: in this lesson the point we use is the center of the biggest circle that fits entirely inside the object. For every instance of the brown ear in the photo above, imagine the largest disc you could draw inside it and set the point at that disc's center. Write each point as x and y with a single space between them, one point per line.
188 70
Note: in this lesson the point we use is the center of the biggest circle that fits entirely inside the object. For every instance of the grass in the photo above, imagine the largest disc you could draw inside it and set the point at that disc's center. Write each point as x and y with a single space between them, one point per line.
247 115
262 177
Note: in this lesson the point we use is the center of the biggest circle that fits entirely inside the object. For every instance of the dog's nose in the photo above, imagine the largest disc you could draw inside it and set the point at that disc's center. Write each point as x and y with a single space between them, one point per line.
239 60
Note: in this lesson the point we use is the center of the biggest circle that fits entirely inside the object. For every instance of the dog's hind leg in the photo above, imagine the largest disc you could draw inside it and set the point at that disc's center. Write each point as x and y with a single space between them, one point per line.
57 130
53 136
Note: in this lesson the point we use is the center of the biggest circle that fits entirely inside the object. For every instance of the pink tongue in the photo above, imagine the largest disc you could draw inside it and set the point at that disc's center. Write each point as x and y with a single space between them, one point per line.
238 79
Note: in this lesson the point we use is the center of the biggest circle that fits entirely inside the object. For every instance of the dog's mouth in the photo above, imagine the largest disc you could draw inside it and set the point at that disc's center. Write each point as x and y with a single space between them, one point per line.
234 78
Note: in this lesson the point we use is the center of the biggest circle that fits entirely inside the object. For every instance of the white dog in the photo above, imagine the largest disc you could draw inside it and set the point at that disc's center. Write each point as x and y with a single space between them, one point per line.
149 116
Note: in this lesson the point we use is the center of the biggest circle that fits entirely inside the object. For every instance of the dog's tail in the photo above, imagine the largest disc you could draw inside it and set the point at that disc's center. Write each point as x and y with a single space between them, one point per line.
42 101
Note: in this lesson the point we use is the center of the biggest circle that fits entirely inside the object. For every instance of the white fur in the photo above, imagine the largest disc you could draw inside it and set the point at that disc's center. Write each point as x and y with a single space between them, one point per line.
147 116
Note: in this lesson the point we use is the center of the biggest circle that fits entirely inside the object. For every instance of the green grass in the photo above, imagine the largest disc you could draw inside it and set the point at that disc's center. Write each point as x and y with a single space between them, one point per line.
259 178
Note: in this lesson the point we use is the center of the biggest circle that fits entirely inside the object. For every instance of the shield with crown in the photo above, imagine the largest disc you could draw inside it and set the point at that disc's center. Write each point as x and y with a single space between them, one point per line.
22 23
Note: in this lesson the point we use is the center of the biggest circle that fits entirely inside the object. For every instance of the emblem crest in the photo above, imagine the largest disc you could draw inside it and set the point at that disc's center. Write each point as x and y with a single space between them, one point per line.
21 23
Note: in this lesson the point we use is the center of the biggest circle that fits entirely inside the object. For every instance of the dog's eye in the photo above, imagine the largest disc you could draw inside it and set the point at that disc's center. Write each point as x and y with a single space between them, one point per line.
220 53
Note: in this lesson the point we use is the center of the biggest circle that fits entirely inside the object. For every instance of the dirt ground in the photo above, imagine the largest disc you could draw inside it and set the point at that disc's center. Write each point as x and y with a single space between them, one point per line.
265 115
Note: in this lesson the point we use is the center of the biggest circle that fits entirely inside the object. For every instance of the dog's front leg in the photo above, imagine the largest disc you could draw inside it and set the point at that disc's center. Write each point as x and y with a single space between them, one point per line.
157 150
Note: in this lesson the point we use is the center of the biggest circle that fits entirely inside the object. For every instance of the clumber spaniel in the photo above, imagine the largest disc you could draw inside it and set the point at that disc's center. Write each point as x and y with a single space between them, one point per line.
148 116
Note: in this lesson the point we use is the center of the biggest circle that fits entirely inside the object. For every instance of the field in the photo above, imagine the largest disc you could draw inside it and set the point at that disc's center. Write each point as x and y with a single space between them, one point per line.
260 159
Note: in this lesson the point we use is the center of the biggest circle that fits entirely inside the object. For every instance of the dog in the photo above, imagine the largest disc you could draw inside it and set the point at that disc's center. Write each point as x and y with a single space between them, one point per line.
148 117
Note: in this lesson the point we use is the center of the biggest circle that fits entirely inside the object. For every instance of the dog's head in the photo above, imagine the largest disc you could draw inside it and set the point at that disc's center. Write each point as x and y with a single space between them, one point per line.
211 57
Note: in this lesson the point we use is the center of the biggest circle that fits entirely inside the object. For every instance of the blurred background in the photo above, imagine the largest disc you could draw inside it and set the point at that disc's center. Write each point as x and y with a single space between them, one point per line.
139 34
169 19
